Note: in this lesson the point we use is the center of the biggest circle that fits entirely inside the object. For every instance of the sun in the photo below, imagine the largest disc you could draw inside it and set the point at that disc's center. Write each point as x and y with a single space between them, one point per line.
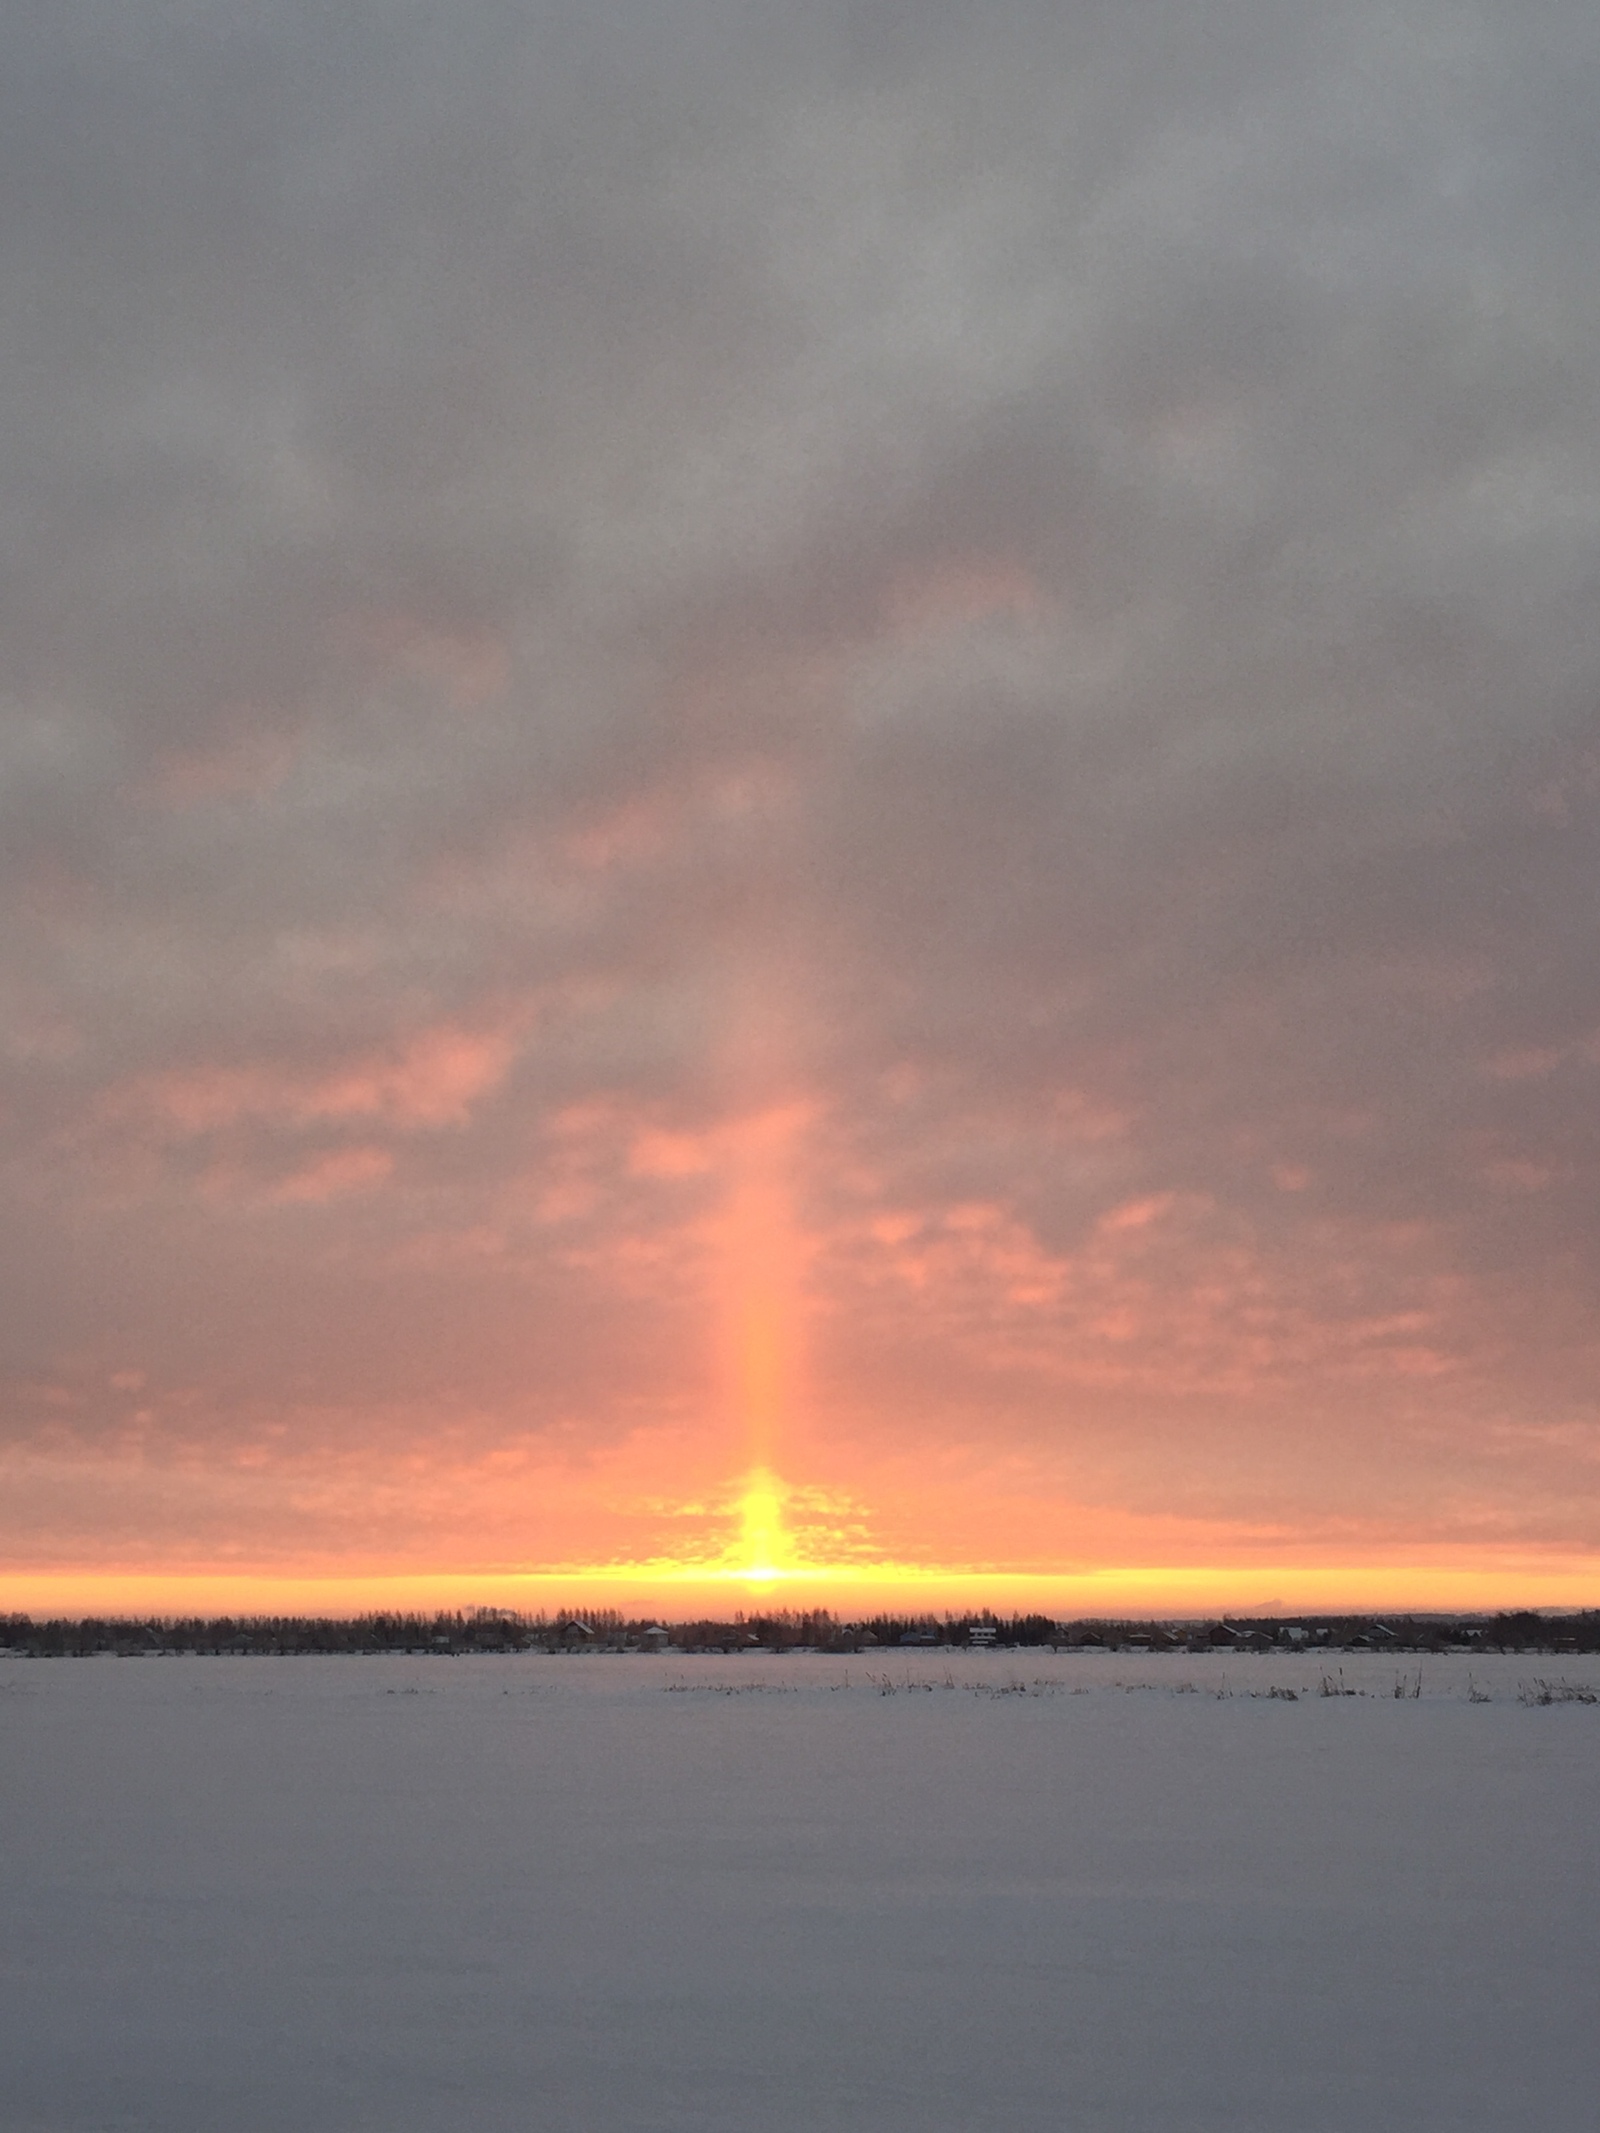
764 1553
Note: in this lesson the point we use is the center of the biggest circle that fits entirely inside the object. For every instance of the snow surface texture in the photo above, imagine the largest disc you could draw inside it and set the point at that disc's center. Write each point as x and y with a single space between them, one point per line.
762 1895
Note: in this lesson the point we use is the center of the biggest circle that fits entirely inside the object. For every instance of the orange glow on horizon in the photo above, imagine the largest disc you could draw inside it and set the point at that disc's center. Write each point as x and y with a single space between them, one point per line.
962 1533
764 1565
679 1590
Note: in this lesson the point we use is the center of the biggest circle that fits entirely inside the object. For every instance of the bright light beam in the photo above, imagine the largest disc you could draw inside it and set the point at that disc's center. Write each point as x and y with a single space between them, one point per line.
761 1284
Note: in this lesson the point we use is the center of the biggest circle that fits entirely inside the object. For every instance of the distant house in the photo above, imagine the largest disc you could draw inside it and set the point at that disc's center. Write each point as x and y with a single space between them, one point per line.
1226 1637
981 1636
655 1638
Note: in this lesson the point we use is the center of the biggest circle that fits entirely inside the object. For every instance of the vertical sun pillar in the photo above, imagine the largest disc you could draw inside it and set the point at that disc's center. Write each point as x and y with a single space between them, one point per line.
761 1289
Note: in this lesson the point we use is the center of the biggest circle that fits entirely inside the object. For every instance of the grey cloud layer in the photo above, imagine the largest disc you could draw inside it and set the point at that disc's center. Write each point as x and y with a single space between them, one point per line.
1062 541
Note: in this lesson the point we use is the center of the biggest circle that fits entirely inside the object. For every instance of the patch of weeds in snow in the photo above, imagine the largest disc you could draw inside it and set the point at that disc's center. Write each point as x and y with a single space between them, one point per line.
1563 1691
1335 1685
886 1685
729 1688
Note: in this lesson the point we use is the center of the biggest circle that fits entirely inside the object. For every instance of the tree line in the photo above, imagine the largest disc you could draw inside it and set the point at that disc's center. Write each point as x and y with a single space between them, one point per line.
492 1629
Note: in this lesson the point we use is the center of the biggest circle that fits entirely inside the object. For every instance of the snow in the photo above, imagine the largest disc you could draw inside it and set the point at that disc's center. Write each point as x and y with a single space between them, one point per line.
1018 1892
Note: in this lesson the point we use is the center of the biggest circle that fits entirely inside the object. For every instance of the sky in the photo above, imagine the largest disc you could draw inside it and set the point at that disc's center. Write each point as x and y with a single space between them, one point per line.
809 790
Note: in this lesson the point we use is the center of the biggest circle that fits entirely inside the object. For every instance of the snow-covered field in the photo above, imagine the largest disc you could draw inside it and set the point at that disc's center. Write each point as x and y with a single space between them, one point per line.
1018 1892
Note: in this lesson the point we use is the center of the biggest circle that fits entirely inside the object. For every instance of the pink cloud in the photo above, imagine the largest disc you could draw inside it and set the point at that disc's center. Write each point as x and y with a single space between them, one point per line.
963 589
473 665
435 1081
247 765
671 1155
344 1171
1137 1214
1168 1294
431 1081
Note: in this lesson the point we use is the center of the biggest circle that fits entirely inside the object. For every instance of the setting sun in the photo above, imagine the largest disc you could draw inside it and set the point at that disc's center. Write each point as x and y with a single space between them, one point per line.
763 1552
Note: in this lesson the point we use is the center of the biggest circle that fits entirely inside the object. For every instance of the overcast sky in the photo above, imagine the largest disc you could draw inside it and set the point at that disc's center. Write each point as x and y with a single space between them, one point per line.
976 622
